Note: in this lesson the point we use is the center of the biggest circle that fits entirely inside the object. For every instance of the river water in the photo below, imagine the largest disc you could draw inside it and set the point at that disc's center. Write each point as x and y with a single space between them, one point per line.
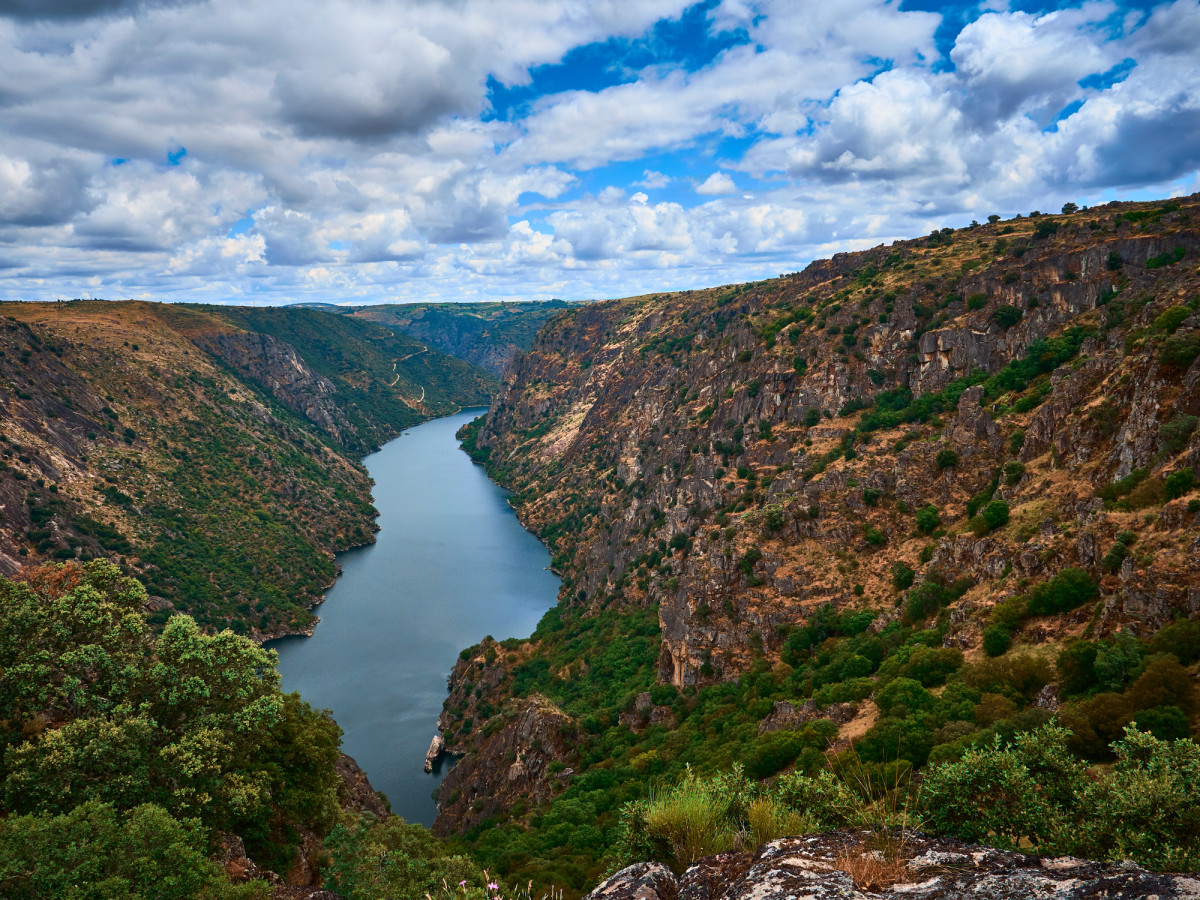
451 564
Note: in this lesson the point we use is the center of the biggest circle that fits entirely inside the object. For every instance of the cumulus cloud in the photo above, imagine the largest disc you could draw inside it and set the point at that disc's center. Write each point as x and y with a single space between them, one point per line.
715 184
347 149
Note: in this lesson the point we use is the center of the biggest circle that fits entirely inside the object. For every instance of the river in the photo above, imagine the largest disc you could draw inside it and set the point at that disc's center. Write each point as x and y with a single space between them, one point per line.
451 564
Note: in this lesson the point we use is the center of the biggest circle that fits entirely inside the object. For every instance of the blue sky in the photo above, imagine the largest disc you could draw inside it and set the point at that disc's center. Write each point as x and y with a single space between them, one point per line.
365 151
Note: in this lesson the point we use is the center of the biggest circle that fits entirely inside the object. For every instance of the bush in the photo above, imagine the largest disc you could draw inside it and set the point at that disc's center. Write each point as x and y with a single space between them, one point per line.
1181 638
928 519
995 515
1007 316
1028 792
1175 434
1169 321
1179 350
947 459
97 853
1067 590
1013 472
902 576
395 859
1178 483
903 696
976 301
996 640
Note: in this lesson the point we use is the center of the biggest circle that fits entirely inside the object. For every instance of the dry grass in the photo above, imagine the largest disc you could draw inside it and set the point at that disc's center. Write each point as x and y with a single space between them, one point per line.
872 870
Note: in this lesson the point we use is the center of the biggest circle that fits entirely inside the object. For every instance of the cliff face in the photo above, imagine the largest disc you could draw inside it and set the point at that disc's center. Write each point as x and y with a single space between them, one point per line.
216 462
684 417
285 375
735 459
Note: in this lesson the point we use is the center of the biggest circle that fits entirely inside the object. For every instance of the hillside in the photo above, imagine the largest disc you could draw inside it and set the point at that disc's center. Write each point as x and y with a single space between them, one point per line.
488 335
960 466
213 450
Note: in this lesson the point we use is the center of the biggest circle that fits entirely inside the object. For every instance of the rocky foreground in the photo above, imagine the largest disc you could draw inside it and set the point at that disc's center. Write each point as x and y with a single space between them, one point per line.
845 866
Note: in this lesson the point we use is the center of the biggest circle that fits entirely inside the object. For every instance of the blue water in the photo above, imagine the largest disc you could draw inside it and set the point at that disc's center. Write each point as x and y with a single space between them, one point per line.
451 565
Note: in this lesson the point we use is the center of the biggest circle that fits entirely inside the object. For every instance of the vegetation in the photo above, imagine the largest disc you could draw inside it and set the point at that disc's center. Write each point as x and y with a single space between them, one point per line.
149 743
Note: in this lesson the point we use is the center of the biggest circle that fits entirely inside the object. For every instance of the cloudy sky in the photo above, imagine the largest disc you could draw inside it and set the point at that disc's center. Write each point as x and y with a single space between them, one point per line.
397 150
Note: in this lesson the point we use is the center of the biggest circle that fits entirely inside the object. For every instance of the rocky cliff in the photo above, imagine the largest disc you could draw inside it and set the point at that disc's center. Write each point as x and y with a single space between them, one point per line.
961 416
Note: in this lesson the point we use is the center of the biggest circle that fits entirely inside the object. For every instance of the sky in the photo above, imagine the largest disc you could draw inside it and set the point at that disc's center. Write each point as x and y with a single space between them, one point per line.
368 151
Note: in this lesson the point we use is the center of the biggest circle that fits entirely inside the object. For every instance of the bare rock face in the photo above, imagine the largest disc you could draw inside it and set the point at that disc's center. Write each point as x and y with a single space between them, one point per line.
278 367
815 867
514 762
356 792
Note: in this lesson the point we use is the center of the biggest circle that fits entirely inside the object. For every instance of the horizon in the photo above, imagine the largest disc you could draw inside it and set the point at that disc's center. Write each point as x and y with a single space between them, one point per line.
410 152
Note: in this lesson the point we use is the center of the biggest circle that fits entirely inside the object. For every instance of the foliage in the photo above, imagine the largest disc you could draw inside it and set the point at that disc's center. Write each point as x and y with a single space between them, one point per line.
94 852
947 459
1147 809
928 519
392 858
192 723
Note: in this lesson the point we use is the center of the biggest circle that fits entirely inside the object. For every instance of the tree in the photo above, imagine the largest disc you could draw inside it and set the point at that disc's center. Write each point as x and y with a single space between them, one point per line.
1069 208
192 723
993 218
928 519
144 854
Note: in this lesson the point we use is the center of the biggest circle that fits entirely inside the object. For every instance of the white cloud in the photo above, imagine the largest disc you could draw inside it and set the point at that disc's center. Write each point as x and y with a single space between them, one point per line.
715 184
358 137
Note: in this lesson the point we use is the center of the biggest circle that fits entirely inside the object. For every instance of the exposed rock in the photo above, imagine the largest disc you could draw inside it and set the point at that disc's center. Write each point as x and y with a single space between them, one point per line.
643 881
514 762
239 867
356 792
436 746
934 869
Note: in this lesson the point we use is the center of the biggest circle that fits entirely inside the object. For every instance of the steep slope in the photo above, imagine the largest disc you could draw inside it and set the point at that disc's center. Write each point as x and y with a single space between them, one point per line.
488 335
213 451
806 481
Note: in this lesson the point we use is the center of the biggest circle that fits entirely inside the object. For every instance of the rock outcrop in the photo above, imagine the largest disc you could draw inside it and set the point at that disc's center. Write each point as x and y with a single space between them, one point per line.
525 758
844 867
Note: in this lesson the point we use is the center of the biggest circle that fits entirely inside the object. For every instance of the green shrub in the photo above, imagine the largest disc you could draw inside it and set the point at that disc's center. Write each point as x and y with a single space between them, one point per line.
1181 638
902 576
875 537
928 519
97 853
996 640
1175 433
1006 796
1178 350
947 458
1178 483
976 302
1169 321
1007 316
995 514
1067 590
1013 472
395 859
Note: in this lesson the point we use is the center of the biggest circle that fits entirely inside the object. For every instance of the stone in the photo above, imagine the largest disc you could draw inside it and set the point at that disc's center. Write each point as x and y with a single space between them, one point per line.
813 867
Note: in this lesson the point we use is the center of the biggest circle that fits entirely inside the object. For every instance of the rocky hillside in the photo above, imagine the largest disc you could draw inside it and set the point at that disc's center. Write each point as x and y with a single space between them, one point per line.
971 441
488 335
213 451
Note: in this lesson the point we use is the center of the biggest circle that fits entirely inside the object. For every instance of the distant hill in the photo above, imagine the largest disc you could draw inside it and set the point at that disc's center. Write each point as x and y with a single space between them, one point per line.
212 450
488 335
